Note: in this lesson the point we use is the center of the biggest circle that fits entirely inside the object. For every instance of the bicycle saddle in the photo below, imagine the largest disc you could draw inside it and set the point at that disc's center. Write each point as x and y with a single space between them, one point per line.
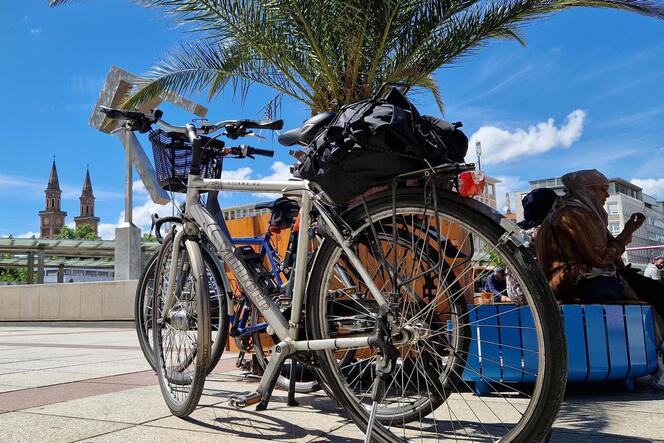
273 204
306 133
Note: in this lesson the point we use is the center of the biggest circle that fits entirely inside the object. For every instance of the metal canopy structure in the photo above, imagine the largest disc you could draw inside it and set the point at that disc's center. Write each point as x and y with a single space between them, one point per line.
60 254
55 262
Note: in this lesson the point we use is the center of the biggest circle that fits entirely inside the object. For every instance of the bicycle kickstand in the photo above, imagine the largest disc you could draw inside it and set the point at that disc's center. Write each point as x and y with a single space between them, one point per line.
385 363
291 385
376 396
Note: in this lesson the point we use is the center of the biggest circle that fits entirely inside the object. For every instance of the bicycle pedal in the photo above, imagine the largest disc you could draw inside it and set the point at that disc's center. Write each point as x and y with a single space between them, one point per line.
243 400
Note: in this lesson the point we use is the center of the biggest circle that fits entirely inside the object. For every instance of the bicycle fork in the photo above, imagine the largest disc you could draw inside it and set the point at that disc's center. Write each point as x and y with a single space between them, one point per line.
172 272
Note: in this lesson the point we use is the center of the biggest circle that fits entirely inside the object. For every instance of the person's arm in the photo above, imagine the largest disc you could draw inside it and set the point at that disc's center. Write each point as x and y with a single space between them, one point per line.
590 239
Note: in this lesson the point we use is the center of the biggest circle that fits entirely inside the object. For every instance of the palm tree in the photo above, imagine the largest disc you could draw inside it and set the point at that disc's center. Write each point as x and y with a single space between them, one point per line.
327 53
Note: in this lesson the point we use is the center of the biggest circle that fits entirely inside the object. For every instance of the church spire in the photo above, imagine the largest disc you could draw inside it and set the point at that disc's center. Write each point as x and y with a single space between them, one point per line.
87 212
87 185
53 182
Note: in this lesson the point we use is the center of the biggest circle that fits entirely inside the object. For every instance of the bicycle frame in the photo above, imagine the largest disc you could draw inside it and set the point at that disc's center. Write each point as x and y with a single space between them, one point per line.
287 331
240 321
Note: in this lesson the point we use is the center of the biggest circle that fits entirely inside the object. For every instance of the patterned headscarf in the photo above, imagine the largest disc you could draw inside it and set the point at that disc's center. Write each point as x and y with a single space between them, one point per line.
580 193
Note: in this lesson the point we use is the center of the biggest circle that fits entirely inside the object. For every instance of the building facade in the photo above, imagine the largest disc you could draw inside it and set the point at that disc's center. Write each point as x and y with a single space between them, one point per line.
625 198
52 218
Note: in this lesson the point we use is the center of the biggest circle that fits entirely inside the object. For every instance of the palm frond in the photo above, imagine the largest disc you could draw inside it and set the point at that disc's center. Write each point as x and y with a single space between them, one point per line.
203 66
327 53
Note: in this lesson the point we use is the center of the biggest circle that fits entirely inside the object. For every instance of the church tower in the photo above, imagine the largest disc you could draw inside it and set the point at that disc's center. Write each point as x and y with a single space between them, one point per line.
87 213
52 219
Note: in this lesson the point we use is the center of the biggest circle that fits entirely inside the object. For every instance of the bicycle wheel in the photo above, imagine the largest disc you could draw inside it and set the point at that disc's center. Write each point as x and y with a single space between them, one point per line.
181 335
219 319
422 257
305 377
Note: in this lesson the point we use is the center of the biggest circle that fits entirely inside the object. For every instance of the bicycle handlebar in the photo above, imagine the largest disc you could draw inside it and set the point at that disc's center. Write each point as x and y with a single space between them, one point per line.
234 128
249 151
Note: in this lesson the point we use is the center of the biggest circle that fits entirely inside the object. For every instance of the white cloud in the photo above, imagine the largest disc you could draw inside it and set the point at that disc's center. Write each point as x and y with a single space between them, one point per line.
280 172
508 184
500 145
138 187
237 174
36 31
651 186
28 234
106 231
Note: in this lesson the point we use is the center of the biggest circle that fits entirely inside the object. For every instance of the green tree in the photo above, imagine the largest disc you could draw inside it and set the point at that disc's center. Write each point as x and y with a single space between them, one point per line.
82 232
326 53
147 237
13 275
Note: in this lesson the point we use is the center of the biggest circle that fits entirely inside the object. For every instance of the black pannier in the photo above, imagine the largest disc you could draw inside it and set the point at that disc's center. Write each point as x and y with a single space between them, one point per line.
372 141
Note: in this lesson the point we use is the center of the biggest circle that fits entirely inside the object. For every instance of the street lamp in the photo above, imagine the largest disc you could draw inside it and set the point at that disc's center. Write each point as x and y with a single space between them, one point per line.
478 151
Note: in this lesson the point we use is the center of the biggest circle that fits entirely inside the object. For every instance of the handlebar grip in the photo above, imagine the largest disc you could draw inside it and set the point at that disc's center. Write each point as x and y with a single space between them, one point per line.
265 124
263 152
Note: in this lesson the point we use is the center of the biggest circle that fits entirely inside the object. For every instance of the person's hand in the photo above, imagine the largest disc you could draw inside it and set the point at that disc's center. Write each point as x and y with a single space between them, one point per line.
635 222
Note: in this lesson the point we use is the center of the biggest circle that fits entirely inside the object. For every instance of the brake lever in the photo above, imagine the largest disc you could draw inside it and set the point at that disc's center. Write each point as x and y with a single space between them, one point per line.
253 134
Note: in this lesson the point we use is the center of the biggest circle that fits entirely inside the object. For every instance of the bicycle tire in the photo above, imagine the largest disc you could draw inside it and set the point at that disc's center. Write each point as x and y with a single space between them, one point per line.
182 372
218 308
531 425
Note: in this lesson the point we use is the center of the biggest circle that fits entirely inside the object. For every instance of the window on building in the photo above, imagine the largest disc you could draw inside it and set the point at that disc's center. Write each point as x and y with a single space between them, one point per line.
615 228
613 208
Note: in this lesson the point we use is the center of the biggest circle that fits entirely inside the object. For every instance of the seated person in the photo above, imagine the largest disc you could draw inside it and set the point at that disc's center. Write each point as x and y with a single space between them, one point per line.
497 285
654 267
580 257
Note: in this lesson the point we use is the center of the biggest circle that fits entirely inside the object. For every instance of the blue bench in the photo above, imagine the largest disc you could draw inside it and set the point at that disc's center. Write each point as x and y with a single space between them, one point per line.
604 342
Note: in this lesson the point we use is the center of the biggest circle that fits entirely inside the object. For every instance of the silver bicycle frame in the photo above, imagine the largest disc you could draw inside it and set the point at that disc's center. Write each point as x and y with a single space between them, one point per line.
287 331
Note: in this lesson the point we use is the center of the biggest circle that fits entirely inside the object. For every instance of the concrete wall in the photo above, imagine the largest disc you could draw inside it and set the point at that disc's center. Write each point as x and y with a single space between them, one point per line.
111 300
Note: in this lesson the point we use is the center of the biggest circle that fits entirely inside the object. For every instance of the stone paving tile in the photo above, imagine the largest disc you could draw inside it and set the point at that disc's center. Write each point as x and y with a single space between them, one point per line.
46 395
33 379
19 427
148 434
128 406
8 388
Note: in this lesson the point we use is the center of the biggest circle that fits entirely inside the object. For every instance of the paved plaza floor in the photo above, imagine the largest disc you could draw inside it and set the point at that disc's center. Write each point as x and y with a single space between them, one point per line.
67 383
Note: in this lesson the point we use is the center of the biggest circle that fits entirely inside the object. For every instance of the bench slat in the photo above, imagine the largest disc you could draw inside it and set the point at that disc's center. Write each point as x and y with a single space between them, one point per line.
489 343
598 353
617 340
530 346
636 340
471 370
510 335
576 342
648 319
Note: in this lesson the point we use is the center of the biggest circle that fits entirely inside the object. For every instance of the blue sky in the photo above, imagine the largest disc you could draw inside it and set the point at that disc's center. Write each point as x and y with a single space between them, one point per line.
587 92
